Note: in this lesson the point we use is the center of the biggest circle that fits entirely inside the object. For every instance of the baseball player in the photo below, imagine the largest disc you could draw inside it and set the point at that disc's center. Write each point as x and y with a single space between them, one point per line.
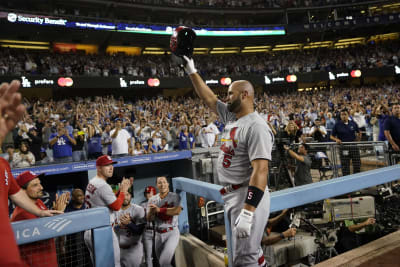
147 238
163 209
129 231
242 165
100 194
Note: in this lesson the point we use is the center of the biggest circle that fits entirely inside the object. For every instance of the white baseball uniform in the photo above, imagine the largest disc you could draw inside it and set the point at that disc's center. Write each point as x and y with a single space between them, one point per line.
147 239
167 232
130 243
243 141
99 194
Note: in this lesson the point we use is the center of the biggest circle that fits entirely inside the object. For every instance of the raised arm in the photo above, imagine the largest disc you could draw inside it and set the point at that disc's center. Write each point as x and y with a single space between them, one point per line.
202 90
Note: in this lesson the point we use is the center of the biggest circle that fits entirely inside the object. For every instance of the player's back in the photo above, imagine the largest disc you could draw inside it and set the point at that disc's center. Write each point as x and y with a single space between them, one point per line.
99 194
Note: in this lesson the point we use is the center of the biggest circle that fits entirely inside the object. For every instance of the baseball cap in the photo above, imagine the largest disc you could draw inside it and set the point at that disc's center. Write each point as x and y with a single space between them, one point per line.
104 160
26 177
32 129
149 189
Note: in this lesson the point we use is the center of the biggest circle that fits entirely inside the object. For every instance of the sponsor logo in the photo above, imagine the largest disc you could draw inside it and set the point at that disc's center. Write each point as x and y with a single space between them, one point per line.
12 17
211 81
122 83
65 82
278 79
25 82
27 233
153 82
226 81
355 73
57 224
343 74
291 78
397 69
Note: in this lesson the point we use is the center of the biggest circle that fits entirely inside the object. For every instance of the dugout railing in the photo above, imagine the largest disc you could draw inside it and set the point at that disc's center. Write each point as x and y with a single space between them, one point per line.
287 198
97 220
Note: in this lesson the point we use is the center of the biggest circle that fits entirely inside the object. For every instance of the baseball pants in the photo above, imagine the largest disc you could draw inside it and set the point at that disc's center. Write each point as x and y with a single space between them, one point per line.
132 256
247 251
166 244
148 247
89 244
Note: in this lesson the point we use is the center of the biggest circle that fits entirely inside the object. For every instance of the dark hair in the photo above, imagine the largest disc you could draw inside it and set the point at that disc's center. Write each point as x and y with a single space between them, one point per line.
306 147
344 110
150 140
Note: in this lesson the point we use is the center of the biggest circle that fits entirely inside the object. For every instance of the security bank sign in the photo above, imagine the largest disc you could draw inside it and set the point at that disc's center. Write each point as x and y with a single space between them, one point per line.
53 226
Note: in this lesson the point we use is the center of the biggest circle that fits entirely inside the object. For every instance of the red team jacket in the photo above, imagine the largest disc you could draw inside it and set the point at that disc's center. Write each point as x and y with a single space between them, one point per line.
37 254
9 254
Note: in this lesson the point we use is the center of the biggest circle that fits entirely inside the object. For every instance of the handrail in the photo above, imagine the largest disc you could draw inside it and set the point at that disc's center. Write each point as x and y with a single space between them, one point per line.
287 198
97 219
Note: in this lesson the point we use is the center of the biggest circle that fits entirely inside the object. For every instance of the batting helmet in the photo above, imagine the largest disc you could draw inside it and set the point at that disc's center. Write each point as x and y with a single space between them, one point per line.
182 40
149 189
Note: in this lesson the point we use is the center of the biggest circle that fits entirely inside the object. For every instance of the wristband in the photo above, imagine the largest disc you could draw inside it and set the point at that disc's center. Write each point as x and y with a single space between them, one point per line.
163 211
254 196
282 235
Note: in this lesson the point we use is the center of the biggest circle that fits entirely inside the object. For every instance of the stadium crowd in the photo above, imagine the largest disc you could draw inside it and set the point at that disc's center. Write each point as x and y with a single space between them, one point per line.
77 129
18 62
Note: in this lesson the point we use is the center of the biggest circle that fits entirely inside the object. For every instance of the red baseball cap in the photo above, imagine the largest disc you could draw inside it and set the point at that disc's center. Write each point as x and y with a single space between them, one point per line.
149 189
26 177
104 160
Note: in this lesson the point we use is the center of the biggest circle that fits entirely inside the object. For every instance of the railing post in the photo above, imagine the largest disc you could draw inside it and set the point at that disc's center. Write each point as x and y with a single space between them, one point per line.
228 234
103 255
184 215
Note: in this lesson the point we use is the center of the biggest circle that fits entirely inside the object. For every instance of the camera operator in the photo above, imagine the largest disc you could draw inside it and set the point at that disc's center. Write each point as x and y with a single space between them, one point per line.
302 174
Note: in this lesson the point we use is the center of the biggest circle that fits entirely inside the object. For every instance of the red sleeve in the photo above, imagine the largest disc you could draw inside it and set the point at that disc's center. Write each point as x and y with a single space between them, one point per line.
13 186
117 204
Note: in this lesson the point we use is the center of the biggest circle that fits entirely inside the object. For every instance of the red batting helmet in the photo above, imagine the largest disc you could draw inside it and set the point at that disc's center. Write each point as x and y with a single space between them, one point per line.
181 42
149 189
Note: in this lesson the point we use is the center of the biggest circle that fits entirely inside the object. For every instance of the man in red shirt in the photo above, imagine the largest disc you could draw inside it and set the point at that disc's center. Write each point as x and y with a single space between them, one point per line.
42 253
11 111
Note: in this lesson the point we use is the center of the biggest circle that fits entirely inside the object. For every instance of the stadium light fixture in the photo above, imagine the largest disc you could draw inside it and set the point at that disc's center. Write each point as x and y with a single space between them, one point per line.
286 48
26 46
225 48
154 49
225 52
257 47
358 39
155 52
288 45
24 42
254 50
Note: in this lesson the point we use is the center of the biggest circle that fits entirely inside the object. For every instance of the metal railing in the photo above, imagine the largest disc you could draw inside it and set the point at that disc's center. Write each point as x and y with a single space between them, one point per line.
97 220
287 198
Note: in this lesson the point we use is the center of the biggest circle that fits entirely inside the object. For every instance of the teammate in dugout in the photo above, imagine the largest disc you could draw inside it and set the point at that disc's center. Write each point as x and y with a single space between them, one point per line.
99 194
164 209
242 165
129 228
147 238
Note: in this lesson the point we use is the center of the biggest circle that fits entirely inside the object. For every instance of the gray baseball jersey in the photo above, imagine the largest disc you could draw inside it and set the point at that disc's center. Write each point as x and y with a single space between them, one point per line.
147 239
126 237
166 243
171 200
243 140
99 194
